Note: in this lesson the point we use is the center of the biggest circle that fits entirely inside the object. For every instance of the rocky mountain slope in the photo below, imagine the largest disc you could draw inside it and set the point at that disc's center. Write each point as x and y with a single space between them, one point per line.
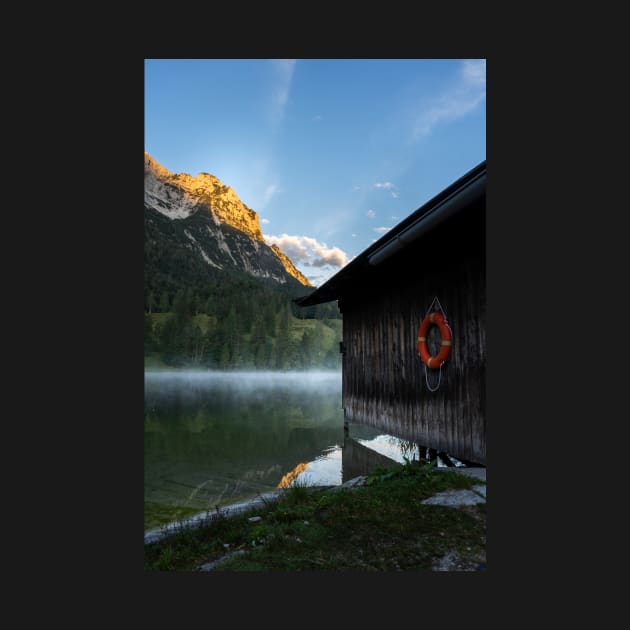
199 226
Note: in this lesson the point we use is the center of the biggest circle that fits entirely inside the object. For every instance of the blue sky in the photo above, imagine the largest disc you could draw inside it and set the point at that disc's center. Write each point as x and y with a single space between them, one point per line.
331 153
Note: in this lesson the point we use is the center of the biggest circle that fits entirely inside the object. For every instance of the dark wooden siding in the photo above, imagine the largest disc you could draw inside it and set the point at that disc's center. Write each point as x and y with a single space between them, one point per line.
383 377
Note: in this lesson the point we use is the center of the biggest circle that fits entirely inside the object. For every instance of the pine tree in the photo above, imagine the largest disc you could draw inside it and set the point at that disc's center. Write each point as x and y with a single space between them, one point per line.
189 302
230 327
224 360
260 360
148 333
181 306
282 339
197 346
165 305
309 348
268 319
171 342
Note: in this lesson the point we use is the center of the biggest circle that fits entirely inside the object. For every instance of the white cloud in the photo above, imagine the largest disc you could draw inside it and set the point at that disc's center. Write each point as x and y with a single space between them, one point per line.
270 191
317 279
307 252
382 230
355 188
371 214
283 70
474 72
395 195
353 235
384 185
464 97
265 221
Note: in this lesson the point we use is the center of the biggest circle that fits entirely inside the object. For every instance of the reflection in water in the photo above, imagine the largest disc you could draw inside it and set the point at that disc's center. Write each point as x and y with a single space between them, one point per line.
292 475
392 447
325 470
211 439
360 460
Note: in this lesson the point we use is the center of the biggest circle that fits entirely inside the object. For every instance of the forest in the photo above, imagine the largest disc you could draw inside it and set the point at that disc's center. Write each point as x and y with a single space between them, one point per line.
239 325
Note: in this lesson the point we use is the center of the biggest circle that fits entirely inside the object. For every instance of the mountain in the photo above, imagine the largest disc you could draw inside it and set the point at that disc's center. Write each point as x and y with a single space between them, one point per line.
216 295
198 231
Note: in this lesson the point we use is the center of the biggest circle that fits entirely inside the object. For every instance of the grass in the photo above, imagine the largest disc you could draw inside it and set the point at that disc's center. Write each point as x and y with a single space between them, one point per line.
381 526
156 514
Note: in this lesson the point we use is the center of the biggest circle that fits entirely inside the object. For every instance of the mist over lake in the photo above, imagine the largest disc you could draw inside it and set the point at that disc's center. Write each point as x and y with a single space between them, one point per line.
215 438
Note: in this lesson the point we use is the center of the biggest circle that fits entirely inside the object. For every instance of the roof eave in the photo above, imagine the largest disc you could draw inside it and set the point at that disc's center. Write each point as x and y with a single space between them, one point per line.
459 195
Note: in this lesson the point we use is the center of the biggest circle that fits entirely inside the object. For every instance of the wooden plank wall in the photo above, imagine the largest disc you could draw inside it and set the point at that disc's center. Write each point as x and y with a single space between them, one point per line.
383 377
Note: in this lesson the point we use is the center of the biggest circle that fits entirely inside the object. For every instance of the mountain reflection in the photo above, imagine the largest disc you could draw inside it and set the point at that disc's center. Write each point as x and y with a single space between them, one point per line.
215 439
292 475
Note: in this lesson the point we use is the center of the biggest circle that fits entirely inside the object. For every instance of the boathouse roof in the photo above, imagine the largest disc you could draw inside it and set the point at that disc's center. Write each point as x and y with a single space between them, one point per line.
461 194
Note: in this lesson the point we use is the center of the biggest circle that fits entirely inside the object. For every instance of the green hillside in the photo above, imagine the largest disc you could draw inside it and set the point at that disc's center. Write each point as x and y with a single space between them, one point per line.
256 328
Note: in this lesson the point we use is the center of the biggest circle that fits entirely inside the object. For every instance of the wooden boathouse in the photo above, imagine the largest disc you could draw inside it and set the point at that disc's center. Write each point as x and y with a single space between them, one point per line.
438 251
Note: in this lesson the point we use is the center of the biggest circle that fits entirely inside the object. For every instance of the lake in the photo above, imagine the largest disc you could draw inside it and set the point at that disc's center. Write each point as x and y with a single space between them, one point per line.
215 438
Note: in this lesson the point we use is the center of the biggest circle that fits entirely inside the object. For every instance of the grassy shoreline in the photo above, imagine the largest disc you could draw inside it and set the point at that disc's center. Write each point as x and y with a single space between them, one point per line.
382 526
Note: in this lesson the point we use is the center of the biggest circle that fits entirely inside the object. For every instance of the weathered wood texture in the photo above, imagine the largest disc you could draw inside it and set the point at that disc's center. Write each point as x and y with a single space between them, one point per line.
383 377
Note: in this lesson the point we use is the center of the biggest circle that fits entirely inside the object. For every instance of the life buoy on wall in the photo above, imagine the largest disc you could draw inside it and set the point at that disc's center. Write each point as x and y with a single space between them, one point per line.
445 333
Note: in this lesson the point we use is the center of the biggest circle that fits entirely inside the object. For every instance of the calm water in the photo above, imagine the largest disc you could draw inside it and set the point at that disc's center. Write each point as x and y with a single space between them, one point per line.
217 438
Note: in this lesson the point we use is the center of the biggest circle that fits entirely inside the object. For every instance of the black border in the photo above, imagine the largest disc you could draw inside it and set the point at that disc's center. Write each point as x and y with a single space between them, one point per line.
524 224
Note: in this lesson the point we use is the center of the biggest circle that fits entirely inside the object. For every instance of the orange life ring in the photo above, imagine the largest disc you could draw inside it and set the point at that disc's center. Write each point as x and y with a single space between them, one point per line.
445 333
